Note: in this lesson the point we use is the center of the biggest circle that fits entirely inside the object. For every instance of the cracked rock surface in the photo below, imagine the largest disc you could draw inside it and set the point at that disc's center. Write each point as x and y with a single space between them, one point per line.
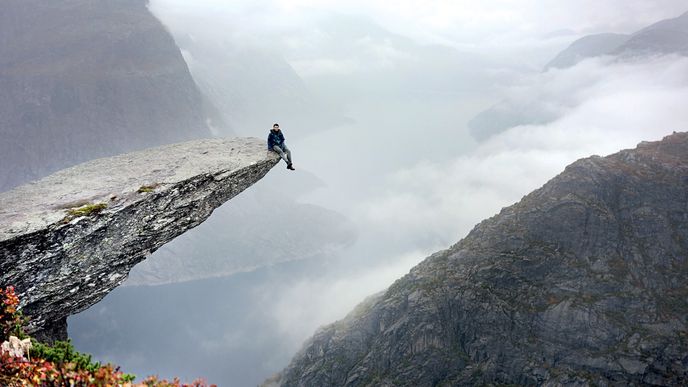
583 282
131 204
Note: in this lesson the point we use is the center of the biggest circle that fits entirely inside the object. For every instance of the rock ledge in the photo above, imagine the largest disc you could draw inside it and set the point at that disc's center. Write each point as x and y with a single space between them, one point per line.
62 261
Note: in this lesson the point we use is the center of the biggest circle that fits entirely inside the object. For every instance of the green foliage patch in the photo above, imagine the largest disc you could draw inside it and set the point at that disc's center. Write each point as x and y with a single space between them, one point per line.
148 188
85 210
59 364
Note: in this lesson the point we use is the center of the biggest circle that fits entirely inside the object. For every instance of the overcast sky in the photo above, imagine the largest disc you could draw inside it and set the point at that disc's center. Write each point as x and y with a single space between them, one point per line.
464 23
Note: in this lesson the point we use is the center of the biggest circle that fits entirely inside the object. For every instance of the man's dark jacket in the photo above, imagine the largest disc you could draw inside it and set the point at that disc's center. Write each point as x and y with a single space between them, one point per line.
275 138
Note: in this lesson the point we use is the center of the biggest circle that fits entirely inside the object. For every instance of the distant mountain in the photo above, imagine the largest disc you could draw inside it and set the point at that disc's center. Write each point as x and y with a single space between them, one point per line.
81 79
666 37
587 47
507 114
663 38
583 282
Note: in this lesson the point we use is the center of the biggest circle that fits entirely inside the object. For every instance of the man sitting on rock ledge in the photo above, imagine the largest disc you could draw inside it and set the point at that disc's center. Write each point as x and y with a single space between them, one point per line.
276 143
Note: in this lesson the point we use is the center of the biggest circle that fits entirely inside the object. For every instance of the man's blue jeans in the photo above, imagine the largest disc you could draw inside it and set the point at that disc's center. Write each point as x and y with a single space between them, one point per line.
284 153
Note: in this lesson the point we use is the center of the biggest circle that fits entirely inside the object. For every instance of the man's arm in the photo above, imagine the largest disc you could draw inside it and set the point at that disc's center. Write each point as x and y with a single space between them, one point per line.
271 141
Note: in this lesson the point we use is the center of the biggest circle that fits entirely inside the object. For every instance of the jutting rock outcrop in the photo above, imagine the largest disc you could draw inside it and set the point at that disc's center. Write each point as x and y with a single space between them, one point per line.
70 238
583 282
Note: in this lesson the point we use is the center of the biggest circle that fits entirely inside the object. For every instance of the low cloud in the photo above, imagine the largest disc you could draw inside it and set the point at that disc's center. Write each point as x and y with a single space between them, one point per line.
603 106
486 25
303 307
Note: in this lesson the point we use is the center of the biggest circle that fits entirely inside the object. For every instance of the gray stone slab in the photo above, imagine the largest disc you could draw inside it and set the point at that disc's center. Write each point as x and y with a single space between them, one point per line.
62 263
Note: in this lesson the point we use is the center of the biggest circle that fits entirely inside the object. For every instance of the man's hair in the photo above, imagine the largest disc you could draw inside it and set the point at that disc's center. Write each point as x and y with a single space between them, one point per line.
275 125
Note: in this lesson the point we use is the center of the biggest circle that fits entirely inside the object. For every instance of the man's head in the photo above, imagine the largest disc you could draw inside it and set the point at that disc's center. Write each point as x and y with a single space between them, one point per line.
275 127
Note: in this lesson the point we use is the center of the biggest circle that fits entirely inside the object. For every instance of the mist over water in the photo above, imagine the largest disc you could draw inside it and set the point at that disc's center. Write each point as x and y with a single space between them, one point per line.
391 147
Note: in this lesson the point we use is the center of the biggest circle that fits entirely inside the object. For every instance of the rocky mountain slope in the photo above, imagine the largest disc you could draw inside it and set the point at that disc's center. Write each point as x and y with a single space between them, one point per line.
583 282
70 238
81 79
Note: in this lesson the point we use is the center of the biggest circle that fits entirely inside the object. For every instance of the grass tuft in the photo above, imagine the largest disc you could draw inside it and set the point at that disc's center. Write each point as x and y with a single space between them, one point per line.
148 188
85 210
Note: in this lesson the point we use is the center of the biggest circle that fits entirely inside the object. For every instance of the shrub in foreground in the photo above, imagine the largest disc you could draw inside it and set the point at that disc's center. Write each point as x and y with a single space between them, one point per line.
30 363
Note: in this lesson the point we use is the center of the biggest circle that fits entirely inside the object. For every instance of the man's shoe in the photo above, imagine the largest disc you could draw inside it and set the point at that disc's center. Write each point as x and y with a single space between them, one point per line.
291 167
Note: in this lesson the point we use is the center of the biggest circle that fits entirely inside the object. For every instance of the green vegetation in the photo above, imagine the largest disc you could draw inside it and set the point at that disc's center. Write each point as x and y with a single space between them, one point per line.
58 364
148 188
62 352
85 210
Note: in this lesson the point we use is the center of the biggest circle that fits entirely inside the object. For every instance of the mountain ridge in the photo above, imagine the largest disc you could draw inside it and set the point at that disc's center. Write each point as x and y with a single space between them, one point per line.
582 282
666 37
587 47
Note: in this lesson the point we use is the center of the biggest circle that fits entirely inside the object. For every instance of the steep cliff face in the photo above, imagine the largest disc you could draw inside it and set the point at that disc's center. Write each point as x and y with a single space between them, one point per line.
583 282
70 238
81 79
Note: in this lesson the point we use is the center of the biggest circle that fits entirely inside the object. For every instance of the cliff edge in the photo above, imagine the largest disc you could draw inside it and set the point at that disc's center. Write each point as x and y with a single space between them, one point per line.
583 282
70 238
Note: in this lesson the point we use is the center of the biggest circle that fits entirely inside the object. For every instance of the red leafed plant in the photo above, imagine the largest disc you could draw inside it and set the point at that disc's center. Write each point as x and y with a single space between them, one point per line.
11 319
59 364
